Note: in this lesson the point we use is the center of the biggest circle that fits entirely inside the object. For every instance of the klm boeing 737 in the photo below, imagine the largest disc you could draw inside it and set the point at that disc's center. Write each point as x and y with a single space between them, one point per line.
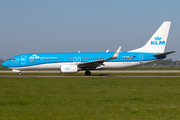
152 51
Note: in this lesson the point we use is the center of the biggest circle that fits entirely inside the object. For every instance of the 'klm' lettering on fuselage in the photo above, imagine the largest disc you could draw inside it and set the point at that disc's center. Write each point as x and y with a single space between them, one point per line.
157 42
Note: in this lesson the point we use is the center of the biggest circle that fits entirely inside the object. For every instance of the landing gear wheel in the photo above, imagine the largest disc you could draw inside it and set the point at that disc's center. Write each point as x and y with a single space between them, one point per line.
20 74
88 73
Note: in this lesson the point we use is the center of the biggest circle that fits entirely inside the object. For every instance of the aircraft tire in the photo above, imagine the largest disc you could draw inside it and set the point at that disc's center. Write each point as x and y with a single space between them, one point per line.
19 73
88 73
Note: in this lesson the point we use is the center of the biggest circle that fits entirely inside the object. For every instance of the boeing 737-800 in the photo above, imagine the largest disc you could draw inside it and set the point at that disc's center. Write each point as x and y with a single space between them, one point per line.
152 51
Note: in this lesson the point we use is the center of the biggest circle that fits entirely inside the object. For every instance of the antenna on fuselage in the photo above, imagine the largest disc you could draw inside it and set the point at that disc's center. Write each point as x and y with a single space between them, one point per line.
107 50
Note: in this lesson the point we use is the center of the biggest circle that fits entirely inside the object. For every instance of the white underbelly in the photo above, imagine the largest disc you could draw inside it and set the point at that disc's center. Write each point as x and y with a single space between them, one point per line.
123 65
47 66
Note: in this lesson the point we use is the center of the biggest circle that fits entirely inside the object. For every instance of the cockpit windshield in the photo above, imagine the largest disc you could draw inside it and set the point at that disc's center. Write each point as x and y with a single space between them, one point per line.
12 59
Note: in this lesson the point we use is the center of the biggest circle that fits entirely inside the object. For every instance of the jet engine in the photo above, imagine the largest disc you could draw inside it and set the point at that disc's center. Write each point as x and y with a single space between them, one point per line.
68 68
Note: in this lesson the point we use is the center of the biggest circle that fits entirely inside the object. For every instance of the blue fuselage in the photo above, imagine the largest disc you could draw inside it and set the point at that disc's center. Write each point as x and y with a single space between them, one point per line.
34 59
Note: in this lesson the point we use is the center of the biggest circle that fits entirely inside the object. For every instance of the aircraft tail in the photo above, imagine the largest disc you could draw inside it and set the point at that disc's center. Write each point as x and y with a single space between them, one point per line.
157 42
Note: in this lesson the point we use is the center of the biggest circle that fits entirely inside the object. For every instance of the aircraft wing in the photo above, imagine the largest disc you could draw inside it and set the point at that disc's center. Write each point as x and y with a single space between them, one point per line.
94 64
163 54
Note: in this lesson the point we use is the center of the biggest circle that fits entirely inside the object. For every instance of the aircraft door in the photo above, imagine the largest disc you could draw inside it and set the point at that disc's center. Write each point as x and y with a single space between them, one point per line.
141 58
23 59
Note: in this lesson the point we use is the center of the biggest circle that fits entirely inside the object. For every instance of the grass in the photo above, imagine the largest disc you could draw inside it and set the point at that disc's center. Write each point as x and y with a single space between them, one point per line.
89 98
3 68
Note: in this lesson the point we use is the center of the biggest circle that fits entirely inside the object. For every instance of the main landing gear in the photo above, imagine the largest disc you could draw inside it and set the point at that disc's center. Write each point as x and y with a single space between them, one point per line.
88 73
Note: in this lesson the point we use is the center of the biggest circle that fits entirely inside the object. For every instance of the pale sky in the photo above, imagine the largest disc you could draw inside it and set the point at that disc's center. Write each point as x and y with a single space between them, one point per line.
29 26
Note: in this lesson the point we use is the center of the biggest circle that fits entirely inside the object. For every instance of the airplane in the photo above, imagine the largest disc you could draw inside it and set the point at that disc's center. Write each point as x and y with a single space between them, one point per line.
152 51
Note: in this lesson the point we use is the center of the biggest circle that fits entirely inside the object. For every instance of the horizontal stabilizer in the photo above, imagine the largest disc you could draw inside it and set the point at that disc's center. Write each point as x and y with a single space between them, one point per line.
163 54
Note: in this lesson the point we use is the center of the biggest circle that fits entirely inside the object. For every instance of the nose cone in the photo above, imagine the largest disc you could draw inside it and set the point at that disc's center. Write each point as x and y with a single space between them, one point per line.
4 64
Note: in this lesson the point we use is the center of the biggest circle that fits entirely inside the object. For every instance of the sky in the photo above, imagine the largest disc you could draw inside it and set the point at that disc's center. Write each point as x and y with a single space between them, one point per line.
40 26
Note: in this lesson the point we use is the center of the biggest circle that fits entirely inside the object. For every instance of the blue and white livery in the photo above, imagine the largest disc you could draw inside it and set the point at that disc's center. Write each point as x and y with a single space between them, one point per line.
152 51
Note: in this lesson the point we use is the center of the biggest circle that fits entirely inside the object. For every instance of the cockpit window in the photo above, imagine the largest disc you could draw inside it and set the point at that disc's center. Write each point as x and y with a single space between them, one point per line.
12 59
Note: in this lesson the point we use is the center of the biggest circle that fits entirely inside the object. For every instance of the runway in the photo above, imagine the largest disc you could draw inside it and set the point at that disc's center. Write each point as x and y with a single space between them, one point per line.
103 73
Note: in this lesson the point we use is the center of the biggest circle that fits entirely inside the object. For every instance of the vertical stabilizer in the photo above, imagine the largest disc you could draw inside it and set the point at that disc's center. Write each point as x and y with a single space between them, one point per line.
157 42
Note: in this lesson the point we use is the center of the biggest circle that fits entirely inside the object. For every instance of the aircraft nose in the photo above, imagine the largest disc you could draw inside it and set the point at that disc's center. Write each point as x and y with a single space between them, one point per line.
4 64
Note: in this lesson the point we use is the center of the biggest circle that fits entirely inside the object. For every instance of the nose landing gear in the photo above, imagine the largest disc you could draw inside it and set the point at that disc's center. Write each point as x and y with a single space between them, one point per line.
19 73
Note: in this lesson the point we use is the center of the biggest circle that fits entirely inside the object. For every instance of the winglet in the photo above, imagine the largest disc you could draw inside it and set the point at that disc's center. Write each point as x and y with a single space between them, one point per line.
116 53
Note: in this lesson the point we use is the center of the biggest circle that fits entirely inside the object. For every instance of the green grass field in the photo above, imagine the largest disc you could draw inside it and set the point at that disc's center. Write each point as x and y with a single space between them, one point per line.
89 98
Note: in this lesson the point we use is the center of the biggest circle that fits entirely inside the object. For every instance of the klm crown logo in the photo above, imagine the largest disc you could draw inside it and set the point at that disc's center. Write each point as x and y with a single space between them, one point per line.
157 38
34 57
157 41
66 68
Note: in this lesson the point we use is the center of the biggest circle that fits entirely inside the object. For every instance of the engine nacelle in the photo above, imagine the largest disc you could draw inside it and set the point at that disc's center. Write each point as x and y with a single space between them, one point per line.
68 69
